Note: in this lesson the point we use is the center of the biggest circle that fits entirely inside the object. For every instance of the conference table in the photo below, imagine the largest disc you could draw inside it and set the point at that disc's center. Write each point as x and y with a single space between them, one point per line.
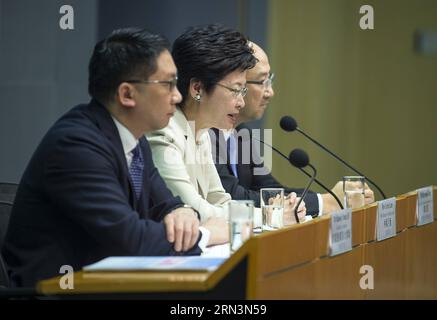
293 263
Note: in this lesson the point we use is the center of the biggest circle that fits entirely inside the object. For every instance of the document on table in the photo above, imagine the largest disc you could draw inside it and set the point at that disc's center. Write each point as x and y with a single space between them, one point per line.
191 263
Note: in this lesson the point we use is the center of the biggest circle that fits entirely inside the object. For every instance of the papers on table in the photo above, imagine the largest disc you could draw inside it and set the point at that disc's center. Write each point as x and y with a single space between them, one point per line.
219 251
192 263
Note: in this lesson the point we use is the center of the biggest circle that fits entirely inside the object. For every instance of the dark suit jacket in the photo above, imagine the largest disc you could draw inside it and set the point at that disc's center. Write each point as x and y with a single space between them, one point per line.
75 204
247 186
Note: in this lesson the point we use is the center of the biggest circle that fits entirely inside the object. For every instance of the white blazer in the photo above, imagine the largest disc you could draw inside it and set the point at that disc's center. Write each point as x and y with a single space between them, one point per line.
188 168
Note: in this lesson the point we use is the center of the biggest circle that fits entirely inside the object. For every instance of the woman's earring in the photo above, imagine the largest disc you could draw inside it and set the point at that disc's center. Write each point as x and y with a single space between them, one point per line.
197 97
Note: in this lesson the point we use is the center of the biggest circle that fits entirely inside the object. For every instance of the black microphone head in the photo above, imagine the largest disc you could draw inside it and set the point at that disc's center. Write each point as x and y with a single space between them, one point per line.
288 123
299 158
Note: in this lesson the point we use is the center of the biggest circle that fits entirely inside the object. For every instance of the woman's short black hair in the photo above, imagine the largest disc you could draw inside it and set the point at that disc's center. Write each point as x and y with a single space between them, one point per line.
124 55
208 53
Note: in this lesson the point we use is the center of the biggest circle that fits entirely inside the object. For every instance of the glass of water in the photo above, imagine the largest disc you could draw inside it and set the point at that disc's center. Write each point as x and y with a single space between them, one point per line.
240 222
353 188
272 207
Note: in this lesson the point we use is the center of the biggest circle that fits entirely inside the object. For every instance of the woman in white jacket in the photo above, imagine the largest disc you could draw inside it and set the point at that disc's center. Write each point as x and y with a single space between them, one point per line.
212 61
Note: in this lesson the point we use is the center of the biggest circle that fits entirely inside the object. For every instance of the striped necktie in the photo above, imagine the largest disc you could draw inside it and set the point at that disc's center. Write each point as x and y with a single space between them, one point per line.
136 170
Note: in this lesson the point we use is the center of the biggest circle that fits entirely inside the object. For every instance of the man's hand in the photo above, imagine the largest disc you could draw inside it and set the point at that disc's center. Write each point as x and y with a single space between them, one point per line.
330 204
290 203
369 196
219 229
182 226
338 191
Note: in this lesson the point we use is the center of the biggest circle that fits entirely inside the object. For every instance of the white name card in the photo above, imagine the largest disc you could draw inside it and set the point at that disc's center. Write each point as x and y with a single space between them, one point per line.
340 235
386 219
425 206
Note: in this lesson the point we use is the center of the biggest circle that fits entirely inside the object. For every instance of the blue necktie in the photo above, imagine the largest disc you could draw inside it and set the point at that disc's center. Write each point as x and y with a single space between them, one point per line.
232 153
136 170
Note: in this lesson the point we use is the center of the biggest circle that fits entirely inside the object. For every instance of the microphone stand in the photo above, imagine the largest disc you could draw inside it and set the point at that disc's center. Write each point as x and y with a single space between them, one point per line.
342 161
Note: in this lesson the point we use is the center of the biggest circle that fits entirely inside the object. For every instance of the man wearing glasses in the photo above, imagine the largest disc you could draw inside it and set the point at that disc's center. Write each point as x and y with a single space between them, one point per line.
91 189
237 176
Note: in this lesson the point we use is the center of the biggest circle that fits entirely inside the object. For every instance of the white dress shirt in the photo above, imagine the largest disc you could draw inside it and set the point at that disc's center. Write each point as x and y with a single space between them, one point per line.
128 141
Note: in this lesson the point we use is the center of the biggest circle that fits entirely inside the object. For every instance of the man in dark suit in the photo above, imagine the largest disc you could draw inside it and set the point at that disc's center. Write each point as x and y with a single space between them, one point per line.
91 189
244 179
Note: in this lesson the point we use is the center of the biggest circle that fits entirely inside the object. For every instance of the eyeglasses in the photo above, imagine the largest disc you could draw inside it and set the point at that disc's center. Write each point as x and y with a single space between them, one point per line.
171 83
266 82
235 92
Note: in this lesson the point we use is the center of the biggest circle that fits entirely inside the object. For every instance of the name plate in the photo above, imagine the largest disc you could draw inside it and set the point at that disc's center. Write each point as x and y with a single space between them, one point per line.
386 219
340 235
425 206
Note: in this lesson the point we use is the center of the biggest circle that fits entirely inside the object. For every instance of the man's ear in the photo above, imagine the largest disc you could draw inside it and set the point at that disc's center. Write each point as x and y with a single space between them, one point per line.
126 93
196 88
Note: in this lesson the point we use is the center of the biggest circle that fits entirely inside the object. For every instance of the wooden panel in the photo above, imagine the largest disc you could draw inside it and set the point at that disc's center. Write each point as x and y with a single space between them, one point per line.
321 241
358 226
110 282
387 260
410 218
285 248
338 277
370 230
294 283
401 213
421 251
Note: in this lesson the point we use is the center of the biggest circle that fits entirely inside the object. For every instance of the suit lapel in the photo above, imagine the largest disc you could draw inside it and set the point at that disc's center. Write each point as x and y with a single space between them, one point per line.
107 125
244 169
201 174
195 169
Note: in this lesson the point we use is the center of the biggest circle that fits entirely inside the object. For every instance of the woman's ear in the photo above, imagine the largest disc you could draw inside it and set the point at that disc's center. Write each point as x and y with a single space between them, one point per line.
196 89
126 95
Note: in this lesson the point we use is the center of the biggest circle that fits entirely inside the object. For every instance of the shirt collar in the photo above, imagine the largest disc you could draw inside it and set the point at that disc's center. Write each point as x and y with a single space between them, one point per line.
127 138
188 127
227 133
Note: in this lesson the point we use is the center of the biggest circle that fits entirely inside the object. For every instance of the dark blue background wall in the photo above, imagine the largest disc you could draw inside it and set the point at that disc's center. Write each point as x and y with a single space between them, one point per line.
43 69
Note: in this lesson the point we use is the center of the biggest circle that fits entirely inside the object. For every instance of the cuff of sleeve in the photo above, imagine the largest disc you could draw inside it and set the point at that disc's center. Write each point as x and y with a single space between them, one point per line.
319 198
206 234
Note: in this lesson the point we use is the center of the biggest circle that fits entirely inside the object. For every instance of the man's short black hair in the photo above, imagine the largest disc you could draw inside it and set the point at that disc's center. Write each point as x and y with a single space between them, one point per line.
126 54
208 53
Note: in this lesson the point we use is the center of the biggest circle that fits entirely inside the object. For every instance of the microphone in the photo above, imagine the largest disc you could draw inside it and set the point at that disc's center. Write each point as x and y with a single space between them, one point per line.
303 170
289 124
300 159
